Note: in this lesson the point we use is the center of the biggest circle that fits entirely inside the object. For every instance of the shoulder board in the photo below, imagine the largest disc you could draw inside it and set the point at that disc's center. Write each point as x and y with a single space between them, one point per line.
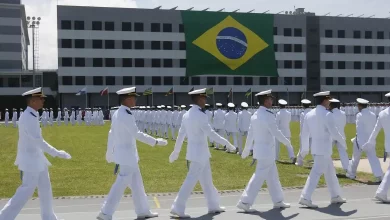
128 112
33 114
202 110
269 111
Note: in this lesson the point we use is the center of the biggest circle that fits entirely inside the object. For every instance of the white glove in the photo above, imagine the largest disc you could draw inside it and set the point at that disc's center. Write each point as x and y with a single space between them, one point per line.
161 142
62 154
174 155
245 154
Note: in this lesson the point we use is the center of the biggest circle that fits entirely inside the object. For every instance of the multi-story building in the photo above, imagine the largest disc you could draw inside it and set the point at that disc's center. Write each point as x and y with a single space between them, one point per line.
118 47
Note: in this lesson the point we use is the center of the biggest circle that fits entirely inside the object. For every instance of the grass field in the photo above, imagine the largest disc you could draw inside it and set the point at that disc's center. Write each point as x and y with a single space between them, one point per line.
89 174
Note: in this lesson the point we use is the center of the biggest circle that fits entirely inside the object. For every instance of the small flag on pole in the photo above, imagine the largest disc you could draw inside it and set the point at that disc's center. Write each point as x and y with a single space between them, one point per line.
230 93
82 92
248 93
210 91
170 92
104 92
148 92
192 89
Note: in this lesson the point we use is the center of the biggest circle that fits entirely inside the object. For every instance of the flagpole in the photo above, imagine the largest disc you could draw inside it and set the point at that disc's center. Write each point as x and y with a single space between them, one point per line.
108 98
173 96
251 98
86 98
152 96
232 96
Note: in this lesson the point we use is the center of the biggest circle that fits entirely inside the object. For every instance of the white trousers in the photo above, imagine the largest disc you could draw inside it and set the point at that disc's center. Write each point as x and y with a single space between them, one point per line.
241 135
173 132
385 184
277 150
197 172
128 176
6 123
266 170
58 121
222 133
372 159
300 157
14 123
166 130
31 180
66 121
343 155
322 165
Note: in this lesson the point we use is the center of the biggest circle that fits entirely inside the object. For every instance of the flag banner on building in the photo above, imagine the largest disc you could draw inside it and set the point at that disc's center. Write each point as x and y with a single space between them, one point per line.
210 91
104 92
192 89
248 93
82 92
230 93
148 91
170 92
229 43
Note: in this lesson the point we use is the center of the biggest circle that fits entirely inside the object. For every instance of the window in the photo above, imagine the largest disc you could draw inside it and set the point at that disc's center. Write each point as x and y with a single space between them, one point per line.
79 25
328 33
168 80
66 25
357 49
127 62
109 44
181 28
263 81
211 81
297 32
275 47
299 81
287 48
98 80
341 81
138 44
381 81
248 81
341 49
80 80
341 33
341 65
298 64
183 63
138 27
97 44
222 80
182 45
237 81
287 81
126 26
67 80
329 81
97 25
67 61
329 65
380 35
288 64
79 62
298 48
109 26
127 80
139 80
273 81
381 65
139 62
156 63
168 63
155 27
328 48
195 81
156 45
126 44
287 32
97 62
356 34
368 49
368 34
380 50
167 45
368 65
110 62
368 81
156 80
66 43
357 81
110 80
167 27
184 81
79 43
357 65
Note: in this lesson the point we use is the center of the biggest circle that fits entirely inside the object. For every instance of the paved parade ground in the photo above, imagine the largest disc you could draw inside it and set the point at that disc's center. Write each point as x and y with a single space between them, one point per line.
360 205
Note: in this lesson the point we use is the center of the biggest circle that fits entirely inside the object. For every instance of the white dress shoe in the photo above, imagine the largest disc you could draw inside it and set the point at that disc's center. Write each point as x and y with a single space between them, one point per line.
218 210
179 214
282 205
382 198
307 203
102 216
338 200
245 206
148 215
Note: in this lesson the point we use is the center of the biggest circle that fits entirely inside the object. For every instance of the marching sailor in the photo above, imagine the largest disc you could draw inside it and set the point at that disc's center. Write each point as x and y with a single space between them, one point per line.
244 119
283 119
231 124
306 106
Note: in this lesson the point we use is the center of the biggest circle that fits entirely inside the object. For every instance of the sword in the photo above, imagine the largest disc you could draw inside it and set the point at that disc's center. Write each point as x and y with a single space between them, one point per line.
21 175
253 162
384 156
357 144
116 169
188 164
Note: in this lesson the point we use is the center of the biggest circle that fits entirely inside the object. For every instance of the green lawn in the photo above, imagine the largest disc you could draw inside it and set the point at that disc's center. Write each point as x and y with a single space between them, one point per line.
89 174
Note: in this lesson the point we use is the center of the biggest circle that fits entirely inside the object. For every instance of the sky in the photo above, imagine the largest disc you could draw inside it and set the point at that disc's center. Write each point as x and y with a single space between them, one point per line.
47 10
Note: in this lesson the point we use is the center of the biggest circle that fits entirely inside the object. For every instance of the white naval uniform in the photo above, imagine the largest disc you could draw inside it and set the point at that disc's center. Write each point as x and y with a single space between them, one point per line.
196 128
122 150
365 124
244 120
174 126
79 116
66 117
58 117
32 162
219 123
168 122
300 157
231 126
261 139
283 119
6 118
319 125
72 117
14 118
51 117
340 121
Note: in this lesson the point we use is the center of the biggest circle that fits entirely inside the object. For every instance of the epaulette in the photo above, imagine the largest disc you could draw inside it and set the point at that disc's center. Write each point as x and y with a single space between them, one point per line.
202 110
33 114
269 111
128 112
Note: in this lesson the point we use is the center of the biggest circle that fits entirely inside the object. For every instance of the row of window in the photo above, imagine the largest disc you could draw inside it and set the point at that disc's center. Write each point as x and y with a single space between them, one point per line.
356 49
356 34
357 81
357 65
124 44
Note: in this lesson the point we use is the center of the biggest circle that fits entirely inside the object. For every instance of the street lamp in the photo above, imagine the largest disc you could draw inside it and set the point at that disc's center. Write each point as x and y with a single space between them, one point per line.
33 23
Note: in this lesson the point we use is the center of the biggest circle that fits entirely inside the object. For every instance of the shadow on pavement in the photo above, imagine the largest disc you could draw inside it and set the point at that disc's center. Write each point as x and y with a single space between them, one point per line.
272 214
334 209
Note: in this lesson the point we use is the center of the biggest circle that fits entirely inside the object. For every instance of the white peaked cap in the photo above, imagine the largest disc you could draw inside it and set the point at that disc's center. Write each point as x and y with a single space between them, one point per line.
182 106
168 106
334 100
282 102
158 107
231 105
244 104
387 95
191 105
362 101
267 92
162 106
127 91
198 92
34 92
305 101
218 104
326 93
207 105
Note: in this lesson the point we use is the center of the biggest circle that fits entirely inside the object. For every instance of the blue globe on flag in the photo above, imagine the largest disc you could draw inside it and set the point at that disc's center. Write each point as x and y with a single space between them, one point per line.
231 43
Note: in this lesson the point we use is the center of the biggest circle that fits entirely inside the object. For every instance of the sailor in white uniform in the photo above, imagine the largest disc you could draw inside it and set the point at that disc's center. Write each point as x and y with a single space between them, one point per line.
283 119
219 122
244 119
306 109
231 124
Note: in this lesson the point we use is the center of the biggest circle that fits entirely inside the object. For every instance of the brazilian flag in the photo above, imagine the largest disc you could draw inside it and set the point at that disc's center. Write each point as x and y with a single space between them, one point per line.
229 43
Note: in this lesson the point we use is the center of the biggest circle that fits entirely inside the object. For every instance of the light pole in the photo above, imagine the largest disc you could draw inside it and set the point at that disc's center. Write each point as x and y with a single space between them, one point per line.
33 23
